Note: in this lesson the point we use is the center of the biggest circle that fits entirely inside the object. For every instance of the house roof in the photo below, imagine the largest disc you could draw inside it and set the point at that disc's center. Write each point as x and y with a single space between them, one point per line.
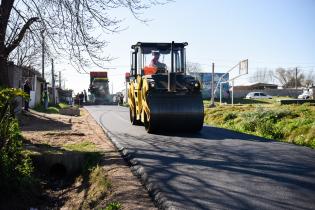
258 84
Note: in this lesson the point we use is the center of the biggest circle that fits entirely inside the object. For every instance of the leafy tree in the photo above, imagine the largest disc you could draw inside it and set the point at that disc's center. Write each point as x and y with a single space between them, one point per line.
72 28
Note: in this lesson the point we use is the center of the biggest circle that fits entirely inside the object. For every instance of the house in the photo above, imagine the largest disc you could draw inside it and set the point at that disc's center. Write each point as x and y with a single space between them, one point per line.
37 83
271 89
255 86
17 76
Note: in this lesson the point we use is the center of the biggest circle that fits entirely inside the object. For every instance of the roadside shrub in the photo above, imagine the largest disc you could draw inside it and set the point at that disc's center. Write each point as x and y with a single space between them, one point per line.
305 110
15 168
49 110
289 123
249 125
292 125
99 187
269 129
263 121
52 110
113 206
229 116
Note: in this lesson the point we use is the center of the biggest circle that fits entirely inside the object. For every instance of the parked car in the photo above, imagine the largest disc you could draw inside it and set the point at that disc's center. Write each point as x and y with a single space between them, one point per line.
254 95
307 94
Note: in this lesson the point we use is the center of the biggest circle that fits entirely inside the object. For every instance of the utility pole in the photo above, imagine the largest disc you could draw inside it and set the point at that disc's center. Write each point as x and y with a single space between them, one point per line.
60 79
53 81
212 87
233 92
296 72
43 54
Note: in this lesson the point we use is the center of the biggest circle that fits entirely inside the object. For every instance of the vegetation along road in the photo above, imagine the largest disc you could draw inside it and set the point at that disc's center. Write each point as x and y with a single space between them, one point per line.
267 118
215 169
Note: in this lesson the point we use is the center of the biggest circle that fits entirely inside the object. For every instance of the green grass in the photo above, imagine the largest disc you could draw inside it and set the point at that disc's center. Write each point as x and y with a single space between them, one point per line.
93 156
84 146
288 123
63 105
51 109
238 101
113 206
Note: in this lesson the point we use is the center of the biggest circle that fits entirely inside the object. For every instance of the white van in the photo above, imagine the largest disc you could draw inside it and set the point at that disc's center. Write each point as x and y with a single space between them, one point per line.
307 94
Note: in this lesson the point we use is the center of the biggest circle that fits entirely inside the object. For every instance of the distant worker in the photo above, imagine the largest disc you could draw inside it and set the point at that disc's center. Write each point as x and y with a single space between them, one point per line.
156 63
85 96
45 97
27 90
81 98
120 98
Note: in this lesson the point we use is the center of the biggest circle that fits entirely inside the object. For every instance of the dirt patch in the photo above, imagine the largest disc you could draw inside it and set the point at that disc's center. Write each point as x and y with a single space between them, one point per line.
110 182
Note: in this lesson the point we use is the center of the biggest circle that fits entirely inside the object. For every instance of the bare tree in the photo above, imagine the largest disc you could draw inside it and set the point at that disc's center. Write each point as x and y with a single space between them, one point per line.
193 67
28 53
309 79
73 28
263 75
288 77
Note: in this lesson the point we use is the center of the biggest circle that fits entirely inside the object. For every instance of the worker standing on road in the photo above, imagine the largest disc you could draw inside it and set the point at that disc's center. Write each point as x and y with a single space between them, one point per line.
85 96
81 97
27 90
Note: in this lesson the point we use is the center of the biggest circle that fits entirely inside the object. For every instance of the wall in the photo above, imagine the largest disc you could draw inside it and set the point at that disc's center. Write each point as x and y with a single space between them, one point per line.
37 88
16 81
15 76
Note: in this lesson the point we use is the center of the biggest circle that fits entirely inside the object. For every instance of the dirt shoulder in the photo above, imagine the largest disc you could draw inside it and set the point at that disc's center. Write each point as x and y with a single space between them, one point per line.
57 132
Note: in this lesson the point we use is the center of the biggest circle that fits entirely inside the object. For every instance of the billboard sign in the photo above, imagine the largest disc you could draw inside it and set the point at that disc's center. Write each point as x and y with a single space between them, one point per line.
205 80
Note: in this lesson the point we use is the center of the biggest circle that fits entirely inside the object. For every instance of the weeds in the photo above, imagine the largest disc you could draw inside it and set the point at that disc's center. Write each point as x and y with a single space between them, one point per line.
290 123
113 206
85 146
99 186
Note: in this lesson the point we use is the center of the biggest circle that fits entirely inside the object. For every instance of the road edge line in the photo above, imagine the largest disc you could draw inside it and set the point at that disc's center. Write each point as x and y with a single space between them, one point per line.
156 195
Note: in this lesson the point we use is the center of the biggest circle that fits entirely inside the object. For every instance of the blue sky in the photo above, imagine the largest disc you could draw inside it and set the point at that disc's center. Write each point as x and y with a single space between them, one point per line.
271 34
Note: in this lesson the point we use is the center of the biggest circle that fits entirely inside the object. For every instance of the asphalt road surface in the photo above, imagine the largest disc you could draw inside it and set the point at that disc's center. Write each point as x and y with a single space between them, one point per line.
215 169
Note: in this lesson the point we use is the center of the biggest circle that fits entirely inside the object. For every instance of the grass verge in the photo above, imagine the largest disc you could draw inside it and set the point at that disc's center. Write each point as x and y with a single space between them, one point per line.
288 123
51 109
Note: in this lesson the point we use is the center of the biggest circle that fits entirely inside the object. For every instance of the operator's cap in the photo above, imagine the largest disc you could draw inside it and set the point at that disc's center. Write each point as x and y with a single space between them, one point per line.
155 52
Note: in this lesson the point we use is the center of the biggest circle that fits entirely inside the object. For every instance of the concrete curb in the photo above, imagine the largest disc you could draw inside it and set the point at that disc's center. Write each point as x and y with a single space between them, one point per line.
159 199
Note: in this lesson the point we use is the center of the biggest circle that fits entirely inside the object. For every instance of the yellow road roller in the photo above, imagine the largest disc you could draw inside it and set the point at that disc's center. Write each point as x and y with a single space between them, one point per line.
161 96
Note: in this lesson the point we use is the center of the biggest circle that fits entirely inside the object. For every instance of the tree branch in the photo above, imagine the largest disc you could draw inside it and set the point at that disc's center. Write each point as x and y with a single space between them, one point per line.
17 41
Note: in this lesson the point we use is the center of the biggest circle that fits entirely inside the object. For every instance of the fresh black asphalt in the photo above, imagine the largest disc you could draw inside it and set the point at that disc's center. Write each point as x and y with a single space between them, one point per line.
214 169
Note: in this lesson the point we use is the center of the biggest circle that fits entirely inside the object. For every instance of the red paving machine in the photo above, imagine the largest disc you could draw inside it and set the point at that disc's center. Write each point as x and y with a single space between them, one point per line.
99 88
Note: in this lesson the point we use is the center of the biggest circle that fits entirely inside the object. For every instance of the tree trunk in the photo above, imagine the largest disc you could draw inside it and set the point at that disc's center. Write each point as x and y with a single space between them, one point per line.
5 10
4 74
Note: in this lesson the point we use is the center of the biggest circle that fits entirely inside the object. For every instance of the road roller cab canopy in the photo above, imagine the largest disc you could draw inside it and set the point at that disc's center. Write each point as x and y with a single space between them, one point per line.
158 58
